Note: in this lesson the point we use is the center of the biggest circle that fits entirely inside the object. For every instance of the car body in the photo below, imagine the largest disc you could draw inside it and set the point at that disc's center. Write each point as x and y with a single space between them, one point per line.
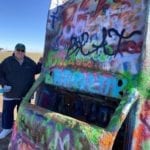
93 91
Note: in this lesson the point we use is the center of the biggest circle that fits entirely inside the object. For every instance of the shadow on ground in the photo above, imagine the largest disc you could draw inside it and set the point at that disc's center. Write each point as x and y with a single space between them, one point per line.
4 142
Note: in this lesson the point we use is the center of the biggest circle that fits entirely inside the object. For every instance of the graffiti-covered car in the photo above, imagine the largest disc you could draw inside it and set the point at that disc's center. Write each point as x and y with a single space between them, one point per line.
93 91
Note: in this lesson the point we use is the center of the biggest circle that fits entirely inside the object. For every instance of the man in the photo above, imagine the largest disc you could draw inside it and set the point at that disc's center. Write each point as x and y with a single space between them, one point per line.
16 77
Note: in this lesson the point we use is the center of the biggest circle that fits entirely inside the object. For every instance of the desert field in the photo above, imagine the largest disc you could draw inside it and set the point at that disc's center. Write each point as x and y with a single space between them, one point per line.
3 55
34 56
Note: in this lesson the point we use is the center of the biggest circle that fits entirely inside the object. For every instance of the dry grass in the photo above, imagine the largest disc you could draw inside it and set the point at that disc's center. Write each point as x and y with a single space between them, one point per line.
34 56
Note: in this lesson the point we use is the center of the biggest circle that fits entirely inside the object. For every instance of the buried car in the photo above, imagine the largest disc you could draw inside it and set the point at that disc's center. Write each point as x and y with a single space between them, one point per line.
93 91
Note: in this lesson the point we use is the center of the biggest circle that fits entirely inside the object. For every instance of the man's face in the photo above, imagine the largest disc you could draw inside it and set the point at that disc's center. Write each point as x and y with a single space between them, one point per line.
19 54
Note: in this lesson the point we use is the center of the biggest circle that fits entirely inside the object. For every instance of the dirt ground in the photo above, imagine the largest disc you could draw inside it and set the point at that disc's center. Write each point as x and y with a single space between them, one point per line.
4 142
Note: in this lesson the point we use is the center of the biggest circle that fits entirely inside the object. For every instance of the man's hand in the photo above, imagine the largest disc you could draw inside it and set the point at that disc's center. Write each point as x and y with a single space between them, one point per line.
41 60
7 88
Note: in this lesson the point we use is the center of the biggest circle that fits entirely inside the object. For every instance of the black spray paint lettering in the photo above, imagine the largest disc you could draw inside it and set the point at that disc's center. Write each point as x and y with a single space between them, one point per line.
77 43
54 16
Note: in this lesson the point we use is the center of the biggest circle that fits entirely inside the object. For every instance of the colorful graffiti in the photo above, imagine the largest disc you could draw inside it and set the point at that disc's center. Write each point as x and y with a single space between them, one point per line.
142 131
89 82
56 131
94 47
52 134
98 33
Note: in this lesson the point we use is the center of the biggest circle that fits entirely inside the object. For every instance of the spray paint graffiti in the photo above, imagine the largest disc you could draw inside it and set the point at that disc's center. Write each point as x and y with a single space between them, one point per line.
142 131
95 47
77 43
101 33
50 135
89 82
56 131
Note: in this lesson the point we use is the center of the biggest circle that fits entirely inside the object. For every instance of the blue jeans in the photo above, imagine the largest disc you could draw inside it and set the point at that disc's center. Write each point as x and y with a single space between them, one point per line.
8 113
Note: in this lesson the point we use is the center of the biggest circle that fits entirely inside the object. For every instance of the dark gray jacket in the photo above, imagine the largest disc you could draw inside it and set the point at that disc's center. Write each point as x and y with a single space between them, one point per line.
19 77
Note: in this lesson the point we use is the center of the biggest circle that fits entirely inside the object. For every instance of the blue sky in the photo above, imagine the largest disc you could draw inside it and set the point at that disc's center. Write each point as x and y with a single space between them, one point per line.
23 21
